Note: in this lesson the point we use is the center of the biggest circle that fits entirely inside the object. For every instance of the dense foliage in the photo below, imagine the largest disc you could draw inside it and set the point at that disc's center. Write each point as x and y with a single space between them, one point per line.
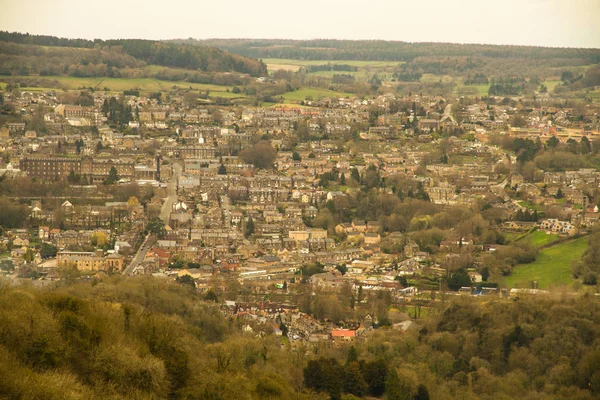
23 54
142 338
380 50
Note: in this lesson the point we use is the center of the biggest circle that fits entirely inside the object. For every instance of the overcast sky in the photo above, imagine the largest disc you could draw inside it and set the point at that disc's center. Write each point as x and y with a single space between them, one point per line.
561 23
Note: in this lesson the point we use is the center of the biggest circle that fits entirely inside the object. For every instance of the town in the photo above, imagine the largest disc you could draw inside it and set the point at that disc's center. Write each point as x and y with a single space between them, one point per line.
326 220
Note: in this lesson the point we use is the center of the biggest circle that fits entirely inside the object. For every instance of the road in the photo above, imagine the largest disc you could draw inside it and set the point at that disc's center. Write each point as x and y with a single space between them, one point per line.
167 206
165 212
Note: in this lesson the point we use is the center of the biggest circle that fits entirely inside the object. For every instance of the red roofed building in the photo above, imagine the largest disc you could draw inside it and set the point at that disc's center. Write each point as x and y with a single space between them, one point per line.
340 335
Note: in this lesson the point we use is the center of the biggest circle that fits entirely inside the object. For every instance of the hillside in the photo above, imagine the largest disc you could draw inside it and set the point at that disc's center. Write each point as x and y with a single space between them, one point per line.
381 50
23 54
133 338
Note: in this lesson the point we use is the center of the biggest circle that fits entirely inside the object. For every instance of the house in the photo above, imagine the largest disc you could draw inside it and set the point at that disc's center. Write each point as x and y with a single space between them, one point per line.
343 335
372 238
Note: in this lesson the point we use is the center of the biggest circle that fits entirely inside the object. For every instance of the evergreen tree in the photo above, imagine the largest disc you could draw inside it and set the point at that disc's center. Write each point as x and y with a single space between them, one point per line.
222 170
249 227
113 176
352 355
422 393
354 382
393 387
355 175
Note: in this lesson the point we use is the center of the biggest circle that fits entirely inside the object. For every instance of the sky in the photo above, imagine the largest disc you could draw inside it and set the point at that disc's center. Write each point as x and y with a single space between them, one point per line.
555 23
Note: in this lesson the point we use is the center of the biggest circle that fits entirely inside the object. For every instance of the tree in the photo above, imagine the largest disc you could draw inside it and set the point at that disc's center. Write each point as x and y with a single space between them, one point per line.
72 178
262 155
48 250
354 382
552 142
157 228
393 387
12 215
325 375
352 355
186 280
459 279
211 296
98 238
296 156
375 373
249 230
283 329
342 179
422 393
113 177
222 170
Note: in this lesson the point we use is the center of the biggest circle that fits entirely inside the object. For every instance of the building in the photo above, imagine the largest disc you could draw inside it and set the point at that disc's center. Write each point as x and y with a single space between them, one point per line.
95 169
90 261
50 168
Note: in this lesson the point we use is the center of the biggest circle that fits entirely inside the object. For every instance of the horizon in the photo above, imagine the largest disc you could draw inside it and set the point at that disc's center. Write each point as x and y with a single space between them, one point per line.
301 40
537 23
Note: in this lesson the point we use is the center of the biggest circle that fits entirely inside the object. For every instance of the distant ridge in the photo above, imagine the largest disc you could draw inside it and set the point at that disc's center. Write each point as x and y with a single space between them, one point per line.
198 57
381 50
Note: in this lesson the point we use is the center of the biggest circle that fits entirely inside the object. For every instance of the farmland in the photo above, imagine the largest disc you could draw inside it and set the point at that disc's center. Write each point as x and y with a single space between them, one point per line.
538 239
551 268
119 84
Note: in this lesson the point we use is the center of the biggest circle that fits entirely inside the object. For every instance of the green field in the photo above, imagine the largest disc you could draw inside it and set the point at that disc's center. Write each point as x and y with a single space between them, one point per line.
366 69
551 85
120 84
530 205
359 63
434 78
552 267
479 90
316 94
538 239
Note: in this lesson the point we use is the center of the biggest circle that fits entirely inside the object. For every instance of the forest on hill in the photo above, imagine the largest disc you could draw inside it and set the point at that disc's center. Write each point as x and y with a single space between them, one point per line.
24 54
381 50
143 338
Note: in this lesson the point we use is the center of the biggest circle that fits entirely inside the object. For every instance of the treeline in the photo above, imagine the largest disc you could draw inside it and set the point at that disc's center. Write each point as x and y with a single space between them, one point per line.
330 67
146 339
507 87
202 58
379 50
477 79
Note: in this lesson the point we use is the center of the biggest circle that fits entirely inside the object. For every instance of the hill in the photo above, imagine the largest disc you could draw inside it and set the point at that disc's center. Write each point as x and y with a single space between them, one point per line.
24 54
381 50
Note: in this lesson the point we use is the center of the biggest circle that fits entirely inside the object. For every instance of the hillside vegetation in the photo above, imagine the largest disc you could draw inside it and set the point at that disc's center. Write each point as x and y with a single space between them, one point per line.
147 339
23 54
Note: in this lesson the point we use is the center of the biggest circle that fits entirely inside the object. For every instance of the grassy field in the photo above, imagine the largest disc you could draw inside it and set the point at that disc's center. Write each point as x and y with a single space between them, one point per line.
552 267
480 90
355 63
433 78
316 94
538 239
530 205
551 85
120 84
366 69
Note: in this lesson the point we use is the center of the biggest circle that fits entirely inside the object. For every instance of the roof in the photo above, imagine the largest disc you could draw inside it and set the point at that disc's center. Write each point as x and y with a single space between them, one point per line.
343 333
